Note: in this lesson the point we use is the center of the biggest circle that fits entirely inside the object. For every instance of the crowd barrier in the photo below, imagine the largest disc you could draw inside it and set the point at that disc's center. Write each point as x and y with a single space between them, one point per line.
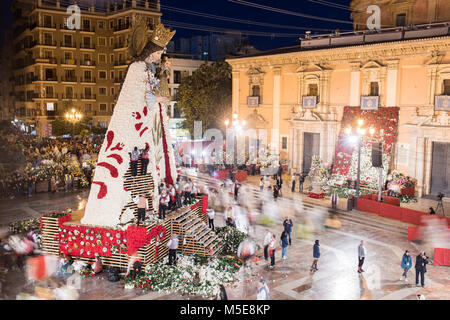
441 257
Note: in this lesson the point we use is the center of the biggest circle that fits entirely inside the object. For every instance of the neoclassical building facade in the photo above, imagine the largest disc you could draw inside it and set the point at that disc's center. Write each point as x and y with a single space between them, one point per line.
300 93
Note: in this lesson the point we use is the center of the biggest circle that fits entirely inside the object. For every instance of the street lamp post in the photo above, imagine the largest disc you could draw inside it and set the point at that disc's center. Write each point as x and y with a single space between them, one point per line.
356 136
237 126
73 117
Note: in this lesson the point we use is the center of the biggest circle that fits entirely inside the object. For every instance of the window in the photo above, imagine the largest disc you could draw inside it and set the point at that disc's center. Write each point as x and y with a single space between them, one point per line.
256 91
67 40
49 92
87 57
150 23
87 92
48 39
101 24
88 107
87 42
102 91
111 58
112 74
111 25
48 54
111 41
68 55
102 41
374 89
69 93
87 25
87 74
313 89
112 92
102 58
177 76
284 142
102 106
102 74
401 20
48 21
446 91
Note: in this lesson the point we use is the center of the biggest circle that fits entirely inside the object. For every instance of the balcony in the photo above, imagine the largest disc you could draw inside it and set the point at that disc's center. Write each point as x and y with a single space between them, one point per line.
119 45
64 44
87 46
48 79
118 80
442 103
43 25
89 80
88 97
46 60
69 96
370 102
69 79
46 43
88 63
69 62
122 27
47 96
120 63
87 29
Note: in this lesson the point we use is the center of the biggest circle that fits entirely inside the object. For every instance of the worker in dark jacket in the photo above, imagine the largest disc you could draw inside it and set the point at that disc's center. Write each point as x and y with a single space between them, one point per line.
421 268
316 256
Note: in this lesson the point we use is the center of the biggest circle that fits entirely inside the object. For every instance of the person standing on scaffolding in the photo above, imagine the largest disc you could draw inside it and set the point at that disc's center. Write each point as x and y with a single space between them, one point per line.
144 161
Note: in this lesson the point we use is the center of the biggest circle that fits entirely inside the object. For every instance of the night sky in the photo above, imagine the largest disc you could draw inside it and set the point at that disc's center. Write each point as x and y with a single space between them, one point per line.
226 8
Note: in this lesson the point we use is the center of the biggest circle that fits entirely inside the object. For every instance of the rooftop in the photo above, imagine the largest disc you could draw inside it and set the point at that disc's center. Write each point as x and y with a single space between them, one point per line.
347 39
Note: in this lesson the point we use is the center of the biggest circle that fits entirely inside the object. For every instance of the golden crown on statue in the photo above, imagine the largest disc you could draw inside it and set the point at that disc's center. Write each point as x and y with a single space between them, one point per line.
161 36
139 36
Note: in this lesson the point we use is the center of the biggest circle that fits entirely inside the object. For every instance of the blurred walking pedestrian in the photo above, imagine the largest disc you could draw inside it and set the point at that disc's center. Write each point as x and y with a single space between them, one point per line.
361 256
272 248
266 242
284 244
288 227
316 256
263 291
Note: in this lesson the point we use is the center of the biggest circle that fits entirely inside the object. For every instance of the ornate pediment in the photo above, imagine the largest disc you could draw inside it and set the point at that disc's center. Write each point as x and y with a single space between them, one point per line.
305 114
436 57
254 71
310 68
372 65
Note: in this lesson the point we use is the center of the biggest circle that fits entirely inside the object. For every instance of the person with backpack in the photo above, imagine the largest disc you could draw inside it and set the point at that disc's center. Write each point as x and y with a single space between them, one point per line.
406 265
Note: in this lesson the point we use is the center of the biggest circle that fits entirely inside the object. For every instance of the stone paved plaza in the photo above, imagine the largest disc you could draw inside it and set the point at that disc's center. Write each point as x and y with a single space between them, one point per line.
337 277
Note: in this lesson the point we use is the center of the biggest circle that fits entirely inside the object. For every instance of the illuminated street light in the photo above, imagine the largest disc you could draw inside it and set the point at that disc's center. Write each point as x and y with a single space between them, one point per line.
73 117
237 126
357 138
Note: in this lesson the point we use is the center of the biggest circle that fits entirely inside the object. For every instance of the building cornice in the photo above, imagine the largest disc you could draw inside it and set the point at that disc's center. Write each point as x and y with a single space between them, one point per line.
387 50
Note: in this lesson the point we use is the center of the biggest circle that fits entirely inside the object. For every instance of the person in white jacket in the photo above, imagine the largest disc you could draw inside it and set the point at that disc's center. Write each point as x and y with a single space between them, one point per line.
266 241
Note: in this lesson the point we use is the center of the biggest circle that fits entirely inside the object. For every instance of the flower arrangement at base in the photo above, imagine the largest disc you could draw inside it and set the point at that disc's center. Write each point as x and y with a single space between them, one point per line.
24 226
230 237
407 199
87 271
208 276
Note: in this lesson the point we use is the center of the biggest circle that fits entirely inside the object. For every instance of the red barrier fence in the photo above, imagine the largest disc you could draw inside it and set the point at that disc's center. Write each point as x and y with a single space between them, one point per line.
441 257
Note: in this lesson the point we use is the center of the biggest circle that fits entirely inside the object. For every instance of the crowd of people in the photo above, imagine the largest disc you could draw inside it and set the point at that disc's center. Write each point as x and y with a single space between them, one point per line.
24 154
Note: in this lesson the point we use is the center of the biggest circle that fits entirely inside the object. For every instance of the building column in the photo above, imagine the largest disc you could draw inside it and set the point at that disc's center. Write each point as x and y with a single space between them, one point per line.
428 144
275 141
391 90
235 91
355 84
432 76
420 164
291 148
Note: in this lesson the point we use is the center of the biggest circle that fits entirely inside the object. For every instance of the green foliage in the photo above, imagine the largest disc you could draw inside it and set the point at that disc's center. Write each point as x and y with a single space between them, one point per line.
206 96
230 237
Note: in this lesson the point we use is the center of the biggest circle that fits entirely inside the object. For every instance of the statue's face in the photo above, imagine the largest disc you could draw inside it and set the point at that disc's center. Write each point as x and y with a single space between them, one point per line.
157 55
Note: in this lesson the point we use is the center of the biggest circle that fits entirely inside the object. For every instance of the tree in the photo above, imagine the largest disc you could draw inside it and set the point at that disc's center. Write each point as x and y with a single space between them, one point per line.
206 96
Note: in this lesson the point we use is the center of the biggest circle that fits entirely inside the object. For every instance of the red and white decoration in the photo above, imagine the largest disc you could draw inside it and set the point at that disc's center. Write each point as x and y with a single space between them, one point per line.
132 125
